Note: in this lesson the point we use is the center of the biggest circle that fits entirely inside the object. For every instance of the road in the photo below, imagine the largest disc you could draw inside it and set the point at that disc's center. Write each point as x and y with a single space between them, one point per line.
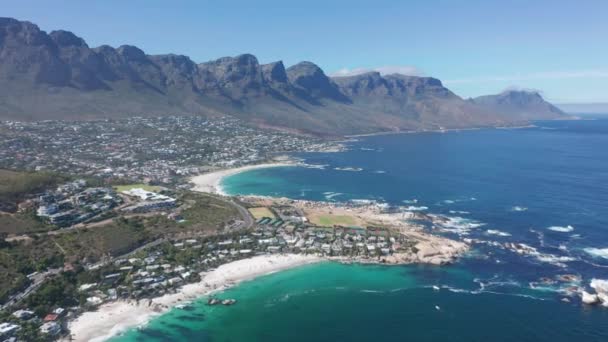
37 280
248 219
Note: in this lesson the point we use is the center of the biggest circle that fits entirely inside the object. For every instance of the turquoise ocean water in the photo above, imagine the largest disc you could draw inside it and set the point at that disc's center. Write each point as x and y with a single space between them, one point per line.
546 187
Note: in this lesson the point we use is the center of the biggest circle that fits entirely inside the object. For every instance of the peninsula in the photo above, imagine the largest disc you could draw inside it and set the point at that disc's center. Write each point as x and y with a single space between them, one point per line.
286 233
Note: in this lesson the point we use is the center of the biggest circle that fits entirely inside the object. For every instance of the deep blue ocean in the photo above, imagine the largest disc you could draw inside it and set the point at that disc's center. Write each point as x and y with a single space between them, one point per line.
544 186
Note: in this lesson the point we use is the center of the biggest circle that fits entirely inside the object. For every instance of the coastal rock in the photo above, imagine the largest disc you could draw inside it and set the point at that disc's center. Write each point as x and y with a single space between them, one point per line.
601 288
589 298
601 293
439 253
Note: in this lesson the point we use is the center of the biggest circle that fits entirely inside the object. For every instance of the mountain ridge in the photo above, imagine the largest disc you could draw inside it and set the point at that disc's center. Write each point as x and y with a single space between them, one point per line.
58 76
520 104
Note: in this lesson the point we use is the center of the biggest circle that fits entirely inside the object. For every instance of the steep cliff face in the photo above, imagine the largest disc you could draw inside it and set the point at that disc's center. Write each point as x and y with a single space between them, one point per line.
312 84
27 52
58 76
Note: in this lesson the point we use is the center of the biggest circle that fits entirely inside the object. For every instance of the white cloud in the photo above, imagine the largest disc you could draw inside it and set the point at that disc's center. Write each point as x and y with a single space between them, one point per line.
518 88
548 75
407 70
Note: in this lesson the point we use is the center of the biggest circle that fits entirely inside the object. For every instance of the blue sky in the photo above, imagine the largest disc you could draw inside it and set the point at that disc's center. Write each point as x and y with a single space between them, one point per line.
475 47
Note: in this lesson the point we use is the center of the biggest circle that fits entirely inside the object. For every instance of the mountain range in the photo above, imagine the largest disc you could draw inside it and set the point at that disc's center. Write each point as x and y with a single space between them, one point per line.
57 75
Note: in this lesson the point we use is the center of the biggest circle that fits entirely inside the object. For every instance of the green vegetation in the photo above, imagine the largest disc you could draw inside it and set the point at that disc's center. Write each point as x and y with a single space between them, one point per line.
22 223
90 245
29 329
16 186
121 188
60 291
204 215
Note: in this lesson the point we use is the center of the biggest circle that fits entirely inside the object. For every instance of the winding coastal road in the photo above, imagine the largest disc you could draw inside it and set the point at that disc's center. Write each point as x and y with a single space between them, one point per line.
248 219
37 280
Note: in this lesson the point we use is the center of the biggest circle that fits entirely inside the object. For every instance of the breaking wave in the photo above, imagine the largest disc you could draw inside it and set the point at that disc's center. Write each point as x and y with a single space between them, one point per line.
330 195
597 252
456 224
314 166
414 208
497 232
351 169
362 201
566 229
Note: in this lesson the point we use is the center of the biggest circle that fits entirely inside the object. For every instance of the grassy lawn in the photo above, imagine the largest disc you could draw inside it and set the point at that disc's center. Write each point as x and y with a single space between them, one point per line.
153 188
260 212
329 220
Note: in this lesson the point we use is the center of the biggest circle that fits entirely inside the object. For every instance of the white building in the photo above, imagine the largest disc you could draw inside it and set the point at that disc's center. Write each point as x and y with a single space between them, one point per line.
7 329
51 328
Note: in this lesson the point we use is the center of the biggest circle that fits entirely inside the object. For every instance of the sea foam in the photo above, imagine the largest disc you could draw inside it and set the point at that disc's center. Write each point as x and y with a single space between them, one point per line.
330 195
461 212
456 224
597 252
497 232
414 208
566 229
348 168
314 166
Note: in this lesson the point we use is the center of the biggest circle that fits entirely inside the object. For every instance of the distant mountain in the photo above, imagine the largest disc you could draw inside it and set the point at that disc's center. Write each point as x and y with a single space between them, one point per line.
58 76
520 105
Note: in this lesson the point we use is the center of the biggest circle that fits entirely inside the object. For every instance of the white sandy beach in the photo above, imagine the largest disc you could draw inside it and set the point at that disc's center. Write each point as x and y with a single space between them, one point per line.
210 182
113 318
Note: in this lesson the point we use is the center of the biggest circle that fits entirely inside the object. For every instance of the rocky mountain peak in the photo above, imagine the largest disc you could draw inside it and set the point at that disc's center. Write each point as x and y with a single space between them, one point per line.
306 74
66 38
131 53
233 69
313 83
274 72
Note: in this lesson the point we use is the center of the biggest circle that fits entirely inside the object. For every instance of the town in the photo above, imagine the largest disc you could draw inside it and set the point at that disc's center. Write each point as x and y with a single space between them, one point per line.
161 150
161 265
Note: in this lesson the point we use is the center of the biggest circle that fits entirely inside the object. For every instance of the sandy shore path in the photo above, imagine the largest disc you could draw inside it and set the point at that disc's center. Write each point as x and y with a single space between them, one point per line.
211 182
113 318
